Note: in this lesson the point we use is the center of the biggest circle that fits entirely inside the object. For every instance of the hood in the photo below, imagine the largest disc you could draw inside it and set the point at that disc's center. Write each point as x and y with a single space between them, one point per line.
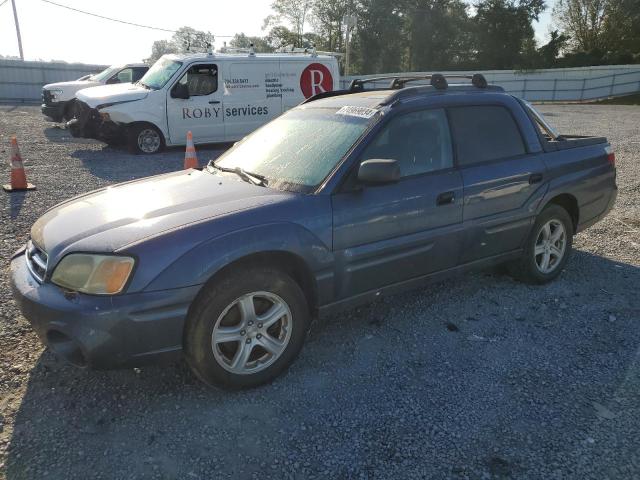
107 220
71 87
116 93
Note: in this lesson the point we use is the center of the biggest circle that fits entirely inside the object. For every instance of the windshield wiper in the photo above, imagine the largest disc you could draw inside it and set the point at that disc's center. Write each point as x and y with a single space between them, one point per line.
250 177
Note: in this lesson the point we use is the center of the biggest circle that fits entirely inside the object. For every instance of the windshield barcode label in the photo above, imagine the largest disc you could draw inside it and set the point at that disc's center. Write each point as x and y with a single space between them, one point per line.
362 112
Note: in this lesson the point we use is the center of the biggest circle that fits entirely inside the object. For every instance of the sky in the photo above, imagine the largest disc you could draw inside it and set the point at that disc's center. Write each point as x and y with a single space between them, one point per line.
50 32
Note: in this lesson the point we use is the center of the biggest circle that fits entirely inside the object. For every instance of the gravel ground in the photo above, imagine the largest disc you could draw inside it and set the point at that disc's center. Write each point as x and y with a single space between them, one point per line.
479 377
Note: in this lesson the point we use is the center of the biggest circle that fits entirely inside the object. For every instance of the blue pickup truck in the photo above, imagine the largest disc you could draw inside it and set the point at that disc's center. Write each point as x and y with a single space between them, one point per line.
351 195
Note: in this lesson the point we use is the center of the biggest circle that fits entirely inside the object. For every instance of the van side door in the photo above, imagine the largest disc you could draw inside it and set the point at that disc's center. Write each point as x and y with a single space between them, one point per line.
201 112
252 95
502 180
390 233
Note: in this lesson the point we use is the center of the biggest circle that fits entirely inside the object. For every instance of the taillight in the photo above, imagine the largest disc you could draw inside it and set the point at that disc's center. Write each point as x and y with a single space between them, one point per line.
611 156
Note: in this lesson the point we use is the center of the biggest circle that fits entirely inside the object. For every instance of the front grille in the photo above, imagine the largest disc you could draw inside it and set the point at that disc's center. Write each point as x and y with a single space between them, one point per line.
46 97
36 261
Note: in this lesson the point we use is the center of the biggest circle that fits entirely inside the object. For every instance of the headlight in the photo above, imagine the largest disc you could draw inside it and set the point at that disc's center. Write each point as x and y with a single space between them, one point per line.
94 274
55 94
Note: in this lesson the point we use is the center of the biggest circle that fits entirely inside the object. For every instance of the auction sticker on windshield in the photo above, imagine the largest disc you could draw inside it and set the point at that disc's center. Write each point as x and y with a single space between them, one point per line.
353 111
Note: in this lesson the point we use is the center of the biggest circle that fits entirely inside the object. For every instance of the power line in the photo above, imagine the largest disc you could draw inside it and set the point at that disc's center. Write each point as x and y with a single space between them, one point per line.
108 18
5 1
116 19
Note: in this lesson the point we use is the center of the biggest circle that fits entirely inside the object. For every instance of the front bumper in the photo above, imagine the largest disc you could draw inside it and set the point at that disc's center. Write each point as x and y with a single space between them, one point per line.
89 124
103 331
54 111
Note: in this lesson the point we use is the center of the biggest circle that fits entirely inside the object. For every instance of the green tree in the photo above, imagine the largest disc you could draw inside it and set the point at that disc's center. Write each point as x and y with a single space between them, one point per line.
379 43
261 44
438 34
503 36
291 12
185 39
584 22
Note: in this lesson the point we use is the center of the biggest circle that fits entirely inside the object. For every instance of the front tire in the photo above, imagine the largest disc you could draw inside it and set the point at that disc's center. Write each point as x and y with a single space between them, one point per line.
547 248
144 138
246 328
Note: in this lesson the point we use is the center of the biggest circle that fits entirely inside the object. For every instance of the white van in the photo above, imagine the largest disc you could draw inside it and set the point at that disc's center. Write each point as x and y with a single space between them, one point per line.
57 98
218 97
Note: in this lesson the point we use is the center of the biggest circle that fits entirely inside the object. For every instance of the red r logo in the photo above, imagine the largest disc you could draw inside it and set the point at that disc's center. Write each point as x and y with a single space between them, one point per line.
316 78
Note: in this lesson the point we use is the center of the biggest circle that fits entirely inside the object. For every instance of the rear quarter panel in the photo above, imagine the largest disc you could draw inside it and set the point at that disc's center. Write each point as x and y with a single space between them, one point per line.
585 173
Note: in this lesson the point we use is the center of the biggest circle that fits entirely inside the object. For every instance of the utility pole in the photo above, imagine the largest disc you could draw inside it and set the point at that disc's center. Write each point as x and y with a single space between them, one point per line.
349 21
15 18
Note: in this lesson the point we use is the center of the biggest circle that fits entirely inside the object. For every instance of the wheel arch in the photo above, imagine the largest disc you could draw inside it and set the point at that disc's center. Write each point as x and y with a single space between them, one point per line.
570 204
286 261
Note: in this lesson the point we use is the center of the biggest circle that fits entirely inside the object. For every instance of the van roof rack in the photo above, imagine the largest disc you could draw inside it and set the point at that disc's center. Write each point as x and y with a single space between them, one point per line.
437 80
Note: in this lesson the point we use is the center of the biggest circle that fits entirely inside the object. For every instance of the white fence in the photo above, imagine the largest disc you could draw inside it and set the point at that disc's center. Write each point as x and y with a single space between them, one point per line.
22 81
559 84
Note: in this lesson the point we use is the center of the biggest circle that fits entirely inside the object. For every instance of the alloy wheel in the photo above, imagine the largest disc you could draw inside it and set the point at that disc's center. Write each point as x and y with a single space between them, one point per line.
251 333
550 247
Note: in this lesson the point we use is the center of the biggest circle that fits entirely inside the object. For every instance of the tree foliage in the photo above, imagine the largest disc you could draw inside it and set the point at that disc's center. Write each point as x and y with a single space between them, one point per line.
185 39
423 35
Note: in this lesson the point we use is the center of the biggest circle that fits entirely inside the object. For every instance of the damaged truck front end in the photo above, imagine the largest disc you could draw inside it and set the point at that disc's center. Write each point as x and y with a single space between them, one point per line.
92 123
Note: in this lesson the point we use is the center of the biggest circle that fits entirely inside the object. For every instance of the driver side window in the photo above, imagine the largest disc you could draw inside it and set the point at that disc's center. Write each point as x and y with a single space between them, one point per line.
419 141
201 79
125 76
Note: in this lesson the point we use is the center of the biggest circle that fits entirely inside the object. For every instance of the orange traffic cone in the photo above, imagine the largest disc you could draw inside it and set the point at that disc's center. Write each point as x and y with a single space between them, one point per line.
18 178
190 159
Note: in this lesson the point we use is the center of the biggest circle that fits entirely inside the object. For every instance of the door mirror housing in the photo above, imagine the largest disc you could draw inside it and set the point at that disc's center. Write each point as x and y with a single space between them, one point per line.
378 171
113 80
180 90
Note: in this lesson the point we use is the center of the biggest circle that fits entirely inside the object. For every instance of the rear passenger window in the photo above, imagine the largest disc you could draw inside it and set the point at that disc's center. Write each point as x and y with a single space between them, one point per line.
418 141
484 133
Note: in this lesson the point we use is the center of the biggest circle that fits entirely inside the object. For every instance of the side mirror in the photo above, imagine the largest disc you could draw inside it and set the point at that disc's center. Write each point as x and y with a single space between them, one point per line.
180 90
113 80
378 171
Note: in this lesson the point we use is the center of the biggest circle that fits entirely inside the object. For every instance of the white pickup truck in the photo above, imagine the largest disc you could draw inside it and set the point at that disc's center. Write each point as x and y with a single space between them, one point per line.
57 98
218 97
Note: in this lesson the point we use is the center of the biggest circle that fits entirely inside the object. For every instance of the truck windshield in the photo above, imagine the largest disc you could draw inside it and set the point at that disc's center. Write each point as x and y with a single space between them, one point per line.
105 74
299 149
160 73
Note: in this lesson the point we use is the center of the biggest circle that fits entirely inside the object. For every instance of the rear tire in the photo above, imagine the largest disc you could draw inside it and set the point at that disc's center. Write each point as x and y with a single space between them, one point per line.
246 328
547 248
144 138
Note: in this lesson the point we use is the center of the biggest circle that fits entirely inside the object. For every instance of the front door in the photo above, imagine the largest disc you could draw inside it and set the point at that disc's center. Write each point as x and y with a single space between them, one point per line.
502 182
202 112
390 233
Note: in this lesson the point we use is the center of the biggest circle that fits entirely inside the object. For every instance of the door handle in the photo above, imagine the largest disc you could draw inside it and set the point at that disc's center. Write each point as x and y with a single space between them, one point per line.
213 102
535 178
445 198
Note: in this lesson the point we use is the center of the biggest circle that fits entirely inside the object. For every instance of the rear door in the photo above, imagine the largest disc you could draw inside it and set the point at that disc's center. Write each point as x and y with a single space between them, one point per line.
500 178
304 77
201 113
389 233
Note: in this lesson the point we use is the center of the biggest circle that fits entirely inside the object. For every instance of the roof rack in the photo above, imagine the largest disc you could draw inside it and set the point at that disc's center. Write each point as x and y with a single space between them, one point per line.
437 80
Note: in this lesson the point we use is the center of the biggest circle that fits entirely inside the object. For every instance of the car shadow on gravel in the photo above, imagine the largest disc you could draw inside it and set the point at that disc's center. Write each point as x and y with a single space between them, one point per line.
524 388
115 164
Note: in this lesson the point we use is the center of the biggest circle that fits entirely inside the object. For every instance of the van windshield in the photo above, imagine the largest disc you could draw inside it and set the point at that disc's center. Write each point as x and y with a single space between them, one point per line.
299 149
105 74
160 73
